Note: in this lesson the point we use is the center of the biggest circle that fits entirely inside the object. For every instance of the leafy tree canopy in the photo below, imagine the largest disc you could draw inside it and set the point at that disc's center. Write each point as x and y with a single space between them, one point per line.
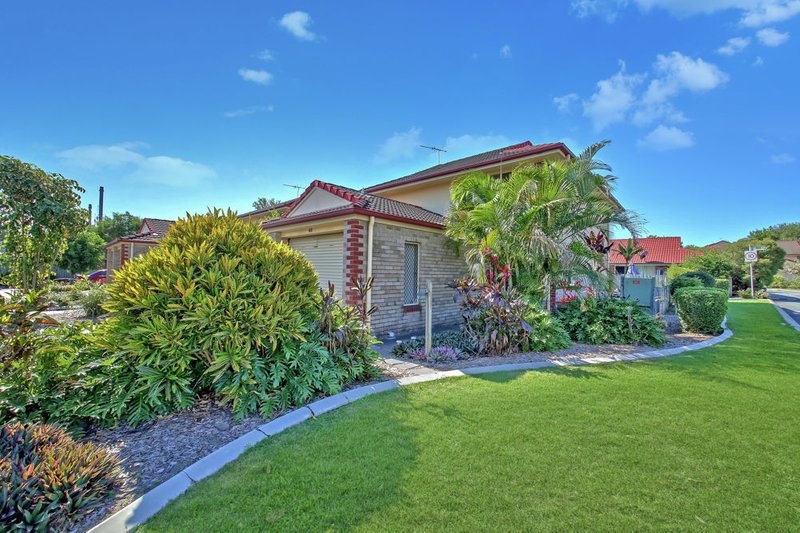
265 203
39 211
117 225
85 252
786 231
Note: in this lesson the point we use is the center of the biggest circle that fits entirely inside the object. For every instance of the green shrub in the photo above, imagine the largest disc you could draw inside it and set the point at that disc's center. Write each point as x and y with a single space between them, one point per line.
92 301
761 294
722 284
548 335
48 479
211 309
683 281
705 278
701 310
778 282
610 321
794 284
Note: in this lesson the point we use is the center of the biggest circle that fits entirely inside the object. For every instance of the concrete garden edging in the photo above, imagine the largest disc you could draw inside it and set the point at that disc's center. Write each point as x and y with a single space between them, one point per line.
143 508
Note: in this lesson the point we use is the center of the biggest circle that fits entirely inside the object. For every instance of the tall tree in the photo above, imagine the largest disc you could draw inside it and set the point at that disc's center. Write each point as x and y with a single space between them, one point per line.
85 251
537 219
39 211
117 225
265 203
786 231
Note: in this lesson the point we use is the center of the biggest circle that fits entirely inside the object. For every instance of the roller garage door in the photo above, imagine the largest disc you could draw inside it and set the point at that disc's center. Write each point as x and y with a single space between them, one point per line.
326 253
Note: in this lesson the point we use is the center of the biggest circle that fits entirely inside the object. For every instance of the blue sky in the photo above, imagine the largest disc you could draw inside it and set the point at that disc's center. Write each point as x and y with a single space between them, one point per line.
175 109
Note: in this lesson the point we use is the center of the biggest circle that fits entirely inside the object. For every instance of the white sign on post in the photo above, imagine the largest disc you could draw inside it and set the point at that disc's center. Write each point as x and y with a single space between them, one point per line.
750 256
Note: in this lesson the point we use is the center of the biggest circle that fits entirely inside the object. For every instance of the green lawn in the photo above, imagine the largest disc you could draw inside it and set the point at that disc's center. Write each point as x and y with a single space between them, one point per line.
708 440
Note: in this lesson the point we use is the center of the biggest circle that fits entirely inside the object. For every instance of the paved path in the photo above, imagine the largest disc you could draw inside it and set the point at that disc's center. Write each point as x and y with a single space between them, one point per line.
788 300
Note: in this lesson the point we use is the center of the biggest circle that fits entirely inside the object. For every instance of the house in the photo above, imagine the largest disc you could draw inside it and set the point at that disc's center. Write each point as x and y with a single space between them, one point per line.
123 249
659 254
394 232
259 216
719 245
792 249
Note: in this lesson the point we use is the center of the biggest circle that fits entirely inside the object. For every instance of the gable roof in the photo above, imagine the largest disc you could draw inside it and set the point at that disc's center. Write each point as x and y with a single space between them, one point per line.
499 155
718 244
790 247
152 230
281 205
359 203
155 225
660 250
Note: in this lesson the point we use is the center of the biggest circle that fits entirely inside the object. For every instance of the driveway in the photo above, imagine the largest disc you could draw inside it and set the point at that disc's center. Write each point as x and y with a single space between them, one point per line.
788 300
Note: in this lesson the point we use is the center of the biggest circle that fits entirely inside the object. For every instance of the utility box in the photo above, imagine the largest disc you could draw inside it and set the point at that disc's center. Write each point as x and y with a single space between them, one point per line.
640 290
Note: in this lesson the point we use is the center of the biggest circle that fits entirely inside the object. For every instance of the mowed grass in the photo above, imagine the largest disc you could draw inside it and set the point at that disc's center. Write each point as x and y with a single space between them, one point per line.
704 441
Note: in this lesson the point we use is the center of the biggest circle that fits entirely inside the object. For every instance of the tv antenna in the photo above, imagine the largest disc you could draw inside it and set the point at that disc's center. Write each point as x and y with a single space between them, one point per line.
437 150
297 188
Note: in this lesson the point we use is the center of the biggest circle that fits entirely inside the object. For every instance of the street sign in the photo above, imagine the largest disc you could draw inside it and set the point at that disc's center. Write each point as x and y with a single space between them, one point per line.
750 256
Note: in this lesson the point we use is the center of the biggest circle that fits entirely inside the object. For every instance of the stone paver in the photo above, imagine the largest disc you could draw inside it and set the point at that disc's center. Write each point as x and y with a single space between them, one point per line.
288 420
143 508
219 458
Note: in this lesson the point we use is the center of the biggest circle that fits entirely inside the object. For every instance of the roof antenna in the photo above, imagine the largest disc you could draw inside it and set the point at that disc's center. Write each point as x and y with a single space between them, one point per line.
298 188
437 150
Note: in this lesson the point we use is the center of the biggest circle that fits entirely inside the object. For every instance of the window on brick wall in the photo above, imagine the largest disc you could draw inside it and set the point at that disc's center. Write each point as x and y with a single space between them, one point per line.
411 274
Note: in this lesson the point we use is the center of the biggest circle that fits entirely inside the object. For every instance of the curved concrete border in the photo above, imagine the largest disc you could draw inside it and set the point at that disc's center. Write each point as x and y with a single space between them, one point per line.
786 316
150 503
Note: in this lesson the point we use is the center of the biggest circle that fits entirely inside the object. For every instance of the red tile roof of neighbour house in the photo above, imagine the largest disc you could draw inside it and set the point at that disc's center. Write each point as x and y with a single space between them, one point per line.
660 250
360 203
718 244
157 228
790 247
509 153
280 205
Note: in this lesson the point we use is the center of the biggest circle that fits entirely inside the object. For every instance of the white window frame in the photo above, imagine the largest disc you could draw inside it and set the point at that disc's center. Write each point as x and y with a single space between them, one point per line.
416 292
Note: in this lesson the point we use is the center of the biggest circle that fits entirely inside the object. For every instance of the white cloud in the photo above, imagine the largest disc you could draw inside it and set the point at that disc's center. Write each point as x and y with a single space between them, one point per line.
734 46
772 37
758 61
505 51
665 138
564 103
471 144
252 110
754 13
770 12
675 72
128 159
297 23
401 145
613 99
261 77
782 159
266 55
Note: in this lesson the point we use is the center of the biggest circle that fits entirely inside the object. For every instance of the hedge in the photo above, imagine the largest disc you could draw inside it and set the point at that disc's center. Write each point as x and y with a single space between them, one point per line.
701 310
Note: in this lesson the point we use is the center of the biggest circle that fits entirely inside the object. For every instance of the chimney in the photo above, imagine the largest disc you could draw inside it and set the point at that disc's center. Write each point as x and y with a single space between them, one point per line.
90 214
100 205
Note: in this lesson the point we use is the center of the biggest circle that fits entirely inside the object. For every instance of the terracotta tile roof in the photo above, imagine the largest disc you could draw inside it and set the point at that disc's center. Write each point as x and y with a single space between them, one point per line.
158 225
660 250
509 153
790 247
362 203
280 205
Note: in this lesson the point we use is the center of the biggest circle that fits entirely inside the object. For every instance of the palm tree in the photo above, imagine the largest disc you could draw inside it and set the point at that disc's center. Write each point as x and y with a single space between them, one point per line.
629 251
536 219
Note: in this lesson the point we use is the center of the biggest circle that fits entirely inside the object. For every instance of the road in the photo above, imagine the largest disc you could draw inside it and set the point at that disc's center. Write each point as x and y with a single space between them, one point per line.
788 300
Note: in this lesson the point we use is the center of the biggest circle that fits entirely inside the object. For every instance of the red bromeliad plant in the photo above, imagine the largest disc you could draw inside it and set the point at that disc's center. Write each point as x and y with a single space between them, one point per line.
493 313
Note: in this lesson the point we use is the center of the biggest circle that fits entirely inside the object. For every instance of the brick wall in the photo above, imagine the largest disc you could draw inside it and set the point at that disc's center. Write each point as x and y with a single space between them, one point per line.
355 258
438 262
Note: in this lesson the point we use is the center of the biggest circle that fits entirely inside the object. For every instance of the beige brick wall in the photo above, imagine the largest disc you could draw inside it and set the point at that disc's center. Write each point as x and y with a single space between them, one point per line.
438 262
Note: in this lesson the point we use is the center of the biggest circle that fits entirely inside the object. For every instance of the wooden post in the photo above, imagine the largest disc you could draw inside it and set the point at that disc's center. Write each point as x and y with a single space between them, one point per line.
428 316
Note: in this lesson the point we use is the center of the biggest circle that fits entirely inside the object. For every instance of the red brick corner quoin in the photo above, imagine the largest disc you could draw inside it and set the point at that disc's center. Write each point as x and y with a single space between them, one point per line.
149 504
354 259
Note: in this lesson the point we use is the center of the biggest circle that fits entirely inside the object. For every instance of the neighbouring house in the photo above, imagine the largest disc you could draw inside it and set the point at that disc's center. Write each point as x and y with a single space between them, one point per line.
717 245
394 232
659 254
792 249
123 249
259 216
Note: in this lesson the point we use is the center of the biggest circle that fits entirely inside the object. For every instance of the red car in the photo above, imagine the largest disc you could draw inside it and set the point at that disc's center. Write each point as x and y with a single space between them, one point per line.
98 276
